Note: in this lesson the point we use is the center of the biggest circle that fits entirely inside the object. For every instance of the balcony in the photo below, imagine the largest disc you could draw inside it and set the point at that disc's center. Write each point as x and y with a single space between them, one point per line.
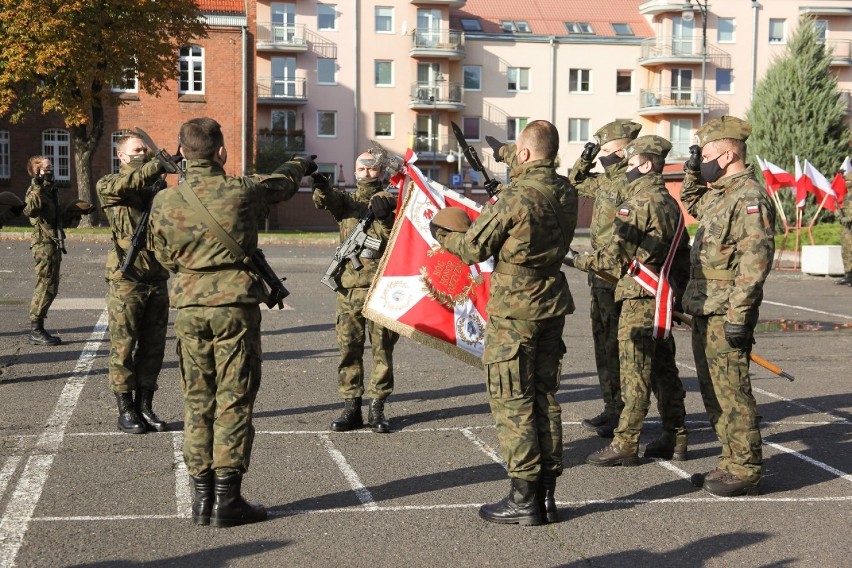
450 3
663 51
436 96
652 103
841 51
276 90
656 7
431 148
446 44
286 141
281 37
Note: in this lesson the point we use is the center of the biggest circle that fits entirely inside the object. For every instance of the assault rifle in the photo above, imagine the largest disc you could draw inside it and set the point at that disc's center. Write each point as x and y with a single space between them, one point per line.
350 249
277 292
138 240
473 159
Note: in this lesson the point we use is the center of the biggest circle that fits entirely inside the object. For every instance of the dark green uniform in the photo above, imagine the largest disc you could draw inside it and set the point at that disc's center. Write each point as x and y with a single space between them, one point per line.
45 214
846 229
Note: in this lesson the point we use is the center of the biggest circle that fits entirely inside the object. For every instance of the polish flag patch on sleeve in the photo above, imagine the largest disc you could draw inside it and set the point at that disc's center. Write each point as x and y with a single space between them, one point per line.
752 208
624 211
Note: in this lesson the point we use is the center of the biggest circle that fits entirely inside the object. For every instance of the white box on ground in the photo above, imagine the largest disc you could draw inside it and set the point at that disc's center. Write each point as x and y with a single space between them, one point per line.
822 260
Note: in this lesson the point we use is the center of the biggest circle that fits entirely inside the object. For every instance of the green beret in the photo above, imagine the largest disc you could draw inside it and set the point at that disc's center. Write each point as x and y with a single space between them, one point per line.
616 130
723 127
648 145
79 207
453 219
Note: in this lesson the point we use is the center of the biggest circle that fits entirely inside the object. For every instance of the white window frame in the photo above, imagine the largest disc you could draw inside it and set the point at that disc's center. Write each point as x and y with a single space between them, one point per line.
680 146
774 40
123 88
471 24
319 78
574 73
626 29
56 146
578 130
376 83
617 92
514 126
5 155
115 163
478 69
327 6
384 17
731 73
733 38
319 122
287 122
520 73
376 122
821 28
194 65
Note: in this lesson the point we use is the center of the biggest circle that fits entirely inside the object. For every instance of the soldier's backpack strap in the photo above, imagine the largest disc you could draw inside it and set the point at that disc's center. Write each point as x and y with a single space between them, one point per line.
557 210
221 234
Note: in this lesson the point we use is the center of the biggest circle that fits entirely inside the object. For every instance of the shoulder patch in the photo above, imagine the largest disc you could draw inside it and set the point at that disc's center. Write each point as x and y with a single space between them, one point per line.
752 208
624 211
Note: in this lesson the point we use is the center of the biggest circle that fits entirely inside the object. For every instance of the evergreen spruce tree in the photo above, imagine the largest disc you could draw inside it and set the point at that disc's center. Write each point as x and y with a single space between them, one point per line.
797 111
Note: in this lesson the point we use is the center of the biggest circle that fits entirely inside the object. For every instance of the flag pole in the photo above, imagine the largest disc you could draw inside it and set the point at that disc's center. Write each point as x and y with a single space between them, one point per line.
813 220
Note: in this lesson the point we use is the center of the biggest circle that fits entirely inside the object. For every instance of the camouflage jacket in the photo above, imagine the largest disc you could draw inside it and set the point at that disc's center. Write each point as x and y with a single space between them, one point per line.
347 209
44 211
733 249
846 207
124 198
521 231
645 225
206 272
605 189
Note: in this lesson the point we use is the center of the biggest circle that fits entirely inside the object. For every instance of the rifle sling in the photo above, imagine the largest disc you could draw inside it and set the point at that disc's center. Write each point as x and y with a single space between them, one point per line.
212 225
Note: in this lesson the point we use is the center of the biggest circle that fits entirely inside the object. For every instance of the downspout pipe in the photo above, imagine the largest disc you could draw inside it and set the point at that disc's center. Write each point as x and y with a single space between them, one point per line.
755 6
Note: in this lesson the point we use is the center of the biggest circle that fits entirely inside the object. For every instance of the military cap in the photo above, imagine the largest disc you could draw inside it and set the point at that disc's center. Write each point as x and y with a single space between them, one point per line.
452 219
617 129
79 207
9 199
648 145
723 127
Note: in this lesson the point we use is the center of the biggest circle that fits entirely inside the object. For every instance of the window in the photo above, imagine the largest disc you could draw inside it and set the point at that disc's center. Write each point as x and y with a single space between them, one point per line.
578 129
622 29
470 127
514 127
471 25
472 78
519 78
624 82
724 80
522 27
579 81
326 71
327 17
326 124
5 154
283 120
56 145
777 31
384 125
681 136
116 163
384 73
821 27
579 28
681 84
384 20
726 28
191 70
508 26
129 82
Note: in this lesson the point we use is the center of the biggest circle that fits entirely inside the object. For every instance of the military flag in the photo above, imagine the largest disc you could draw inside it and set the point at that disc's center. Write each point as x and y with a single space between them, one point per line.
820 187
775 176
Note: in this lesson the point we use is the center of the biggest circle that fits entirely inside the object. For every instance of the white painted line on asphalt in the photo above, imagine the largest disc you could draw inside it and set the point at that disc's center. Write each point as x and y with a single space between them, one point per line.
671 467
837 419
9 469
808 309
819 464
183 498
486 449
16 518
351 476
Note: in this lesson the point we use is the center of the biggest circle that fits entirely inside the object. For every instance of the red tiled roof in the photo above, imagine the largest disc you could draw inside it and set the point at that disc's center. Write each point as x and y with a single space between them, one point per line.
548 17
222 6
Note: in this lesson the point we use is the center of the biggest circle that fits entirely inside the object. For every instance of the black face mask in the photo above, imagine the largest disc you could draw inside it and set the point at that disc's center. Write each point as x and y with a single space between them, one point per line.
610 159
48 175
634 174
711 171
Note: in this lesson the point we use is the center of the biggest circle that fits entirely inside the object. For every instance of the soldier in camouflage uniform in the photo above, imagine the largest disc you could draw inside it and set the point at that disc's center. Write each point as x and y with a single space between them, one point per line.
645 229
48 219
846 233
731 257
218 319
137 303
528 231
605 189
347 210
10 207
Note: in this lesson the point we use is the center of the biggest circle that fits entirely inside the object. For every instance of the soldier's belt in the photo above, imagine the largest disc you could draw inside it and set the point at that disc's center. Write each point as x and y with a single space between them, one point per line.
212 269
710 274
515 270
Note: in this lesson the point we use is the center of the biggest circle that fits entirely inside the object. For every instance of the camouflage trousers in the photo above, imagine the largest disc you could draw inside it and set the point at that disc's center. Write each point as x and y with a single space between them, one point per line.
523 365
220 355
351 338
47 258
138 318
726 391
605 313
846 246
647 365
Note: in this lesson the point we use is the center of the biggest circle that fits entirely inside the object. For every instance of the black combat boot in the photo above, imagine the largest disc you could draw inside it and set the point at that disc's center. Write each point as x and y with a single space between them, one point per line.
547 497
376 417
38 336
607 429
351 417
144 397
229 507
202 503
128 420
520 507
669 446
595 422
846 280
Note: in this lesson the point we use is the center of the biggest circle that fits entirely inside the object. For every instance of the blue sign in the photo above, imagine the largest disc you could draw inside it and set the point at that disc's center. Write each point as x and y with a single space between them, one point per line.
455 180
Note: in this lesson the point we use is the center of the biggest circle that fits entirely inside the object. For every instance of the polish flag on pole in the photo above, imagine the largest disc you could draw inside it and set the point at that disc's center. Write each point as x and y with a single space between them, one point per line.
821 187
803 186
775 176
839 181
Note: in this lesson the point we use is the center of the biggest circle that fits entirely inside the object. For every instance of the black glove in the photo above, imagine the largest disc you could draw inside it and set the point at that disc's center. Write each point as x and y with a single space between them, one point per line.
177 157
38 180
590 151
569 258
491 187
495 147
693 164
738 335
310 164
321 182
382 204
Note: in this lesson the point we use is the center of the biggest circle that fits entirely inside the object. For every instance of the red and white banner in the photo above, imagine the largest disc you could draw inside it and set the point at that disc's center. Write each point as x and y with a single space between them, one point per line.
820 187
776 177
422 291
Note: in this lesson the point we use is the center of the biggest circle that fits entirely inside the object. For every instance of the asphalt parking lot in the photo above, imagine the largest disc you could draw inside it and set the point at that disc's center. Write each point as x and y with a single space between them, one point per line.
76 492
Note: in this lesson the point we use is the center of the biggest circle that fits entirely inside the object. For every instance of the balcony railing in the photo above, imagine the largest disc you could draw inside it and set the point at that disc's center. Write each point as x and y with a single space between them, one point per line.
277 89
283 37
282 140
443 43
678 102
426 145
841 51
665 49
441 94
